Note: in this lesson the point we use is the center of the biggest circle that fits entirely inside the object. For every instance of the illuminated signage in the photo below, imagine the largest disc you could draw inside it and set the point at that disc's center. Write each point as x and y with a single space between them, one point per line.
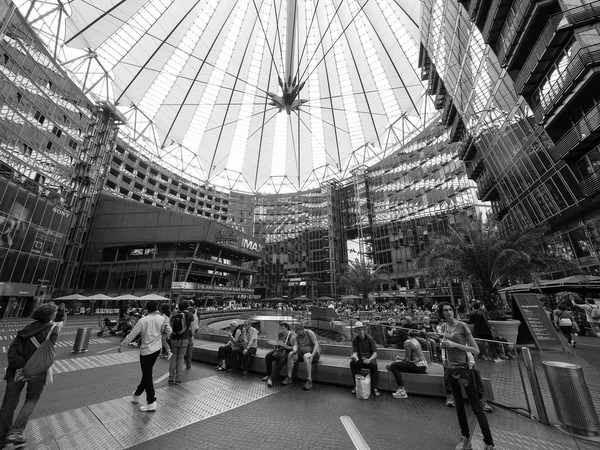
232 238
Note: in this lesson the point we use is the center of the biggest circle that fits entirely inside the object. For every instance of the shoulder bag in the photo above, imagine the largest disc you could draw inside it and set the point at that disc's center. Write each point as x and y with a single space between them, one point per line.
43 358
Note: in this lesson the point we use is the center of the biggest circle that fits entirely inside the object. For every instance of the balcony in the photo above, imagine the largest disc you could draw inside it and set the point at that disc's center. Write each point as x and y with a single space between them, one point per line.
457 129
513 25
543 54
475 167
580 137
550 42
578 70
494 22
590 185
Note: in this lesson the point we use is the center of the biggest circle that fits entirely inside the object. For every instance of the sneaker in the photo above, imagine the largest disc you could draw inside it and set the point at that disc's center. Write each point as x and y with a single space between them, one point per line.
135 398
450 400
511 356
376 393
269 383
188 367
171 381
486 358
169 355
353 391
14 437
150 407
498 360
485 405
287 381
400 393
177 381
574 344
307 386
464 444
266 378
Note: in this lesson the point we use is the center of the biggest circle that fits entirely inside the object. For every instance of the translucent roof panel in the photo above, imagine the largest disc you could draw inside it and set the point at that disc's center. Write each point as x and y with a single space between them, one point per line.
259 95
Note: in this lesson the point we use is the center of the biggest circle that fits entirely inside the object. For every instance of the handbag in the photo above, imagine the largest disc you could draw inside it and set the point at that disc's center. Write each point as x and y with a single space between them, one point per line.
43 358
462 373
279 352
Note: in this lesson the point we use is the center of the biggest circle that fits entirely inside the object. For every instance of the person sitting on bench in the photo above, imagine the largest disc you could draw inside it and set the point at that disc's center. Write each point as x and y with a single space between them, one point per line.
414 362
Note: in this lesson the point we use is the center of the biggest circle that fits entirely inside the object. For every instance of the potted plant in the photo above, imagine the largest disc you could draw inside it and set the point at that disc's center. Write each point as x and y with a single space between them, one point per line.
475 251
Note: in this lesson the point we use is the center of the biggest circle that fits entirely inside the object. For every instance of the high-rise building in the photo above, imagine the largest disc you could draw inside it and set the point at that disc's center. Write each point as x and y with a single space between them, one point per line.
516 80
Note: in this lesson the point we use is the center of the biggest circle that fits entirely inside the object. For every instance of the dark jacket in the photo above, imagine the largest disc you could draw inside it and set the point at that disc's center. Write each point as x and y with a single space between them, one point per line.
22 348
481 325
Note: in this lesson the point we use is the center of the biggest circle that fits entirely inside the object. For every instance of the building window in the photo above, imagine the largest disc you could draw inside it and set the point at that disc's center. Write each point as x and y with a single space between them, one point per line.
40 117
56 131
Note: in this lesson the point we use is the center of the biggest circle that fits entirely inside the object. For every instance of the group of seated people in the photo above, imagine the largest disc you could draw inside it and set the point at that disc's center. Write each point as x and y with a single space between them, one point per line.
299 345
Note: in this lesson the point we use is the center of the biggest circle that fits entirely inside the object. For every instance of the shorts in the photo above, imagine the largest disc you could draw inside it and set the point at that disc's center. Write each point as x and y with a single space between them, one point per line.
315 358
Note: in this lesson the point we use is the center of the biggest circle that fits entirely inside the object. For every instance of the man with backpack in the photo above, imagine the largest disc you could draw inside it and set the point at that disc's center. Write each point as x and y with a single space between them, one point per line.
181 323
194 329
592 315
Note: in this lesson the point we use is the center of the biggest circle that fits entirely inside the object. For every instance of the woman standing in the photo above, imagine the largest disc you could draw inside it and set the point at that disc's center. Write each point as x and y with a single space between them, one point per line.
457 341
414 362
563 319
21 349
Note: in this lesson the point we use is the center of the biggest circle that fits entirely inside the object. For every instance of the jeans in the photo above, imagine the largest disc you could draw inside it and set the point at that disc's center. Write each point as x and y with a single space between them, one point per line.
147 383
463 422
189 352
279 363
566 331
246 357
178 347
225 350
355 367
476 375
407 367
35 386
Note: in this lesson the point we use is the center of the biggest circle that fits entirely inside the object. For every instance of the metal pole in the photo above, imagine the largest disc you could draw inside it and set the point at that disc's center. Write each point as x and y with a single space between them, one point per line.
524 386
535 387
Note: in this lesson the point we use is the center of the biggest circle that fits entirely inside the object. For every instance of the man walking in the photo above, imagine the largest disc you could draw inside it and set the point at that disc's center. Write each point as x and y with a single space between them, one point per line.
151 328
592 315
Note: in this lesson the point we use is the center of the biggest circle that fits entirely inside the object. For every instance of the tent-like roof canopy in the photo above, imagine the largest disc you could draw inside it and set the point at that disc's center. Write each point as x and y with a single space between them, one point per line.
250 95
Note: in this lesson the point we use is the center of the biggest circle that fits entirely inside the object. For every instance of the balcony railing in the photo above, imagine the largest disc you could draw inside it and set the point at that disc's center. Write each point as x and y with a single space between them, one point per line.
590 185
587 126
512 25
495 20
579 65
555 33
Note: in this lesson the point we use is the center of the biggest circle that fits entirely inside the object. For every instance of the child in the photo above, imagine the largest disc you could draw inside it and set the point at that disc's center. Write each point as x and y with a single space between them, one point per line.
165 310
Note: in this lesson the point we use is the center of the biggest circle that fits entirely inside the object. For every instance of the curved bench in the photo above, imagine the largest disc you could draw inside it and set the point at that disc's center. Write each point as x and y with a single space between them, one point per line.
334 367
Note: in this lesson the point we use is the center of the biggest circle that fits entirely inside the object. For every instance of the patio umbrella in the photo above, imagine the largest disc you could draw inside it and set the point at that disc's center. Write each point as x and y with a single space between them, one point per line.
72 297
302 299
126 297
326 299
99 297
578 279
153 297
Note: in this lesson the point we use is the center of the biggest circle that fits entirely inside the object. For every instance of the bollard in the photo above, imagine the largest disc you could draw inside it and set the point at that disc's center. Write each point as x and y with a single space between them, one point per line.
572 399
82 340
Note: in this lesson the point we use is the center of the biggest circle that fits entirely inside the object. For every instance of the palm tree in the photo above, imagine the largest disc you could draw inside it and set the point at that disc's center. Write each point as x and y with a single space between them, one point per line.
360 277
475 250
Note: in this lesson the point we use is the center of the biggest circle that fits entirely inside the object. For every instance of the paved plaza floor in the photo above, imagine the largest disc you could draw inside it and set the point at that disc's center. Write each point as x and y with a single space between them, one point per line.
88 407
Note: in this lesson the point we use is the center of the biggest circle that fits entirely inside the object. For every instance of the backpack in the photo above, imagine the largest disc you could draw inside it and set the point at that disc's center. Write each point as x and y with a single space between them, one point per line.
595 314
179 324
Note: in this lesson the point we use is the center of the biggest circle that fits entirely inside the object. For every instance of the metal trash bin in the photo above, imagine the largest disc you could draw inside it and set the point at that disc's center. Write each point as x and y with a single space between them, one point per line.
82 340
572 399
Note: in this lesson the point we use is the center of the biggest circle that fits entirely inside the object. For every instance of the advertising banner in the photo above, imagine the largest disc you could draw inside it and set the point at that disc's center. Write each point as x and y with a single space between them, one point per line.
32 235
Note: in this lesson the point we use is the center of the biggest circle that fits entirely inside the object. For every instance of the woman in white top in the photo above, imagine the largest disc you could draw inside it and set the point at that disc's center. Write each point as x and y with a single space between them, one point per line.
414 362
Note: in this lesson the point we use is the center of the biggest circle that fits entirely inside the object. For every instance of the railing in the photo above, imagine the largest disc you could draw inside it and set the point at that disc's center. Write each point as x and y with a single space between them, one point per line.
539 50
577 67
576 134
514 21
591 184
560 21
